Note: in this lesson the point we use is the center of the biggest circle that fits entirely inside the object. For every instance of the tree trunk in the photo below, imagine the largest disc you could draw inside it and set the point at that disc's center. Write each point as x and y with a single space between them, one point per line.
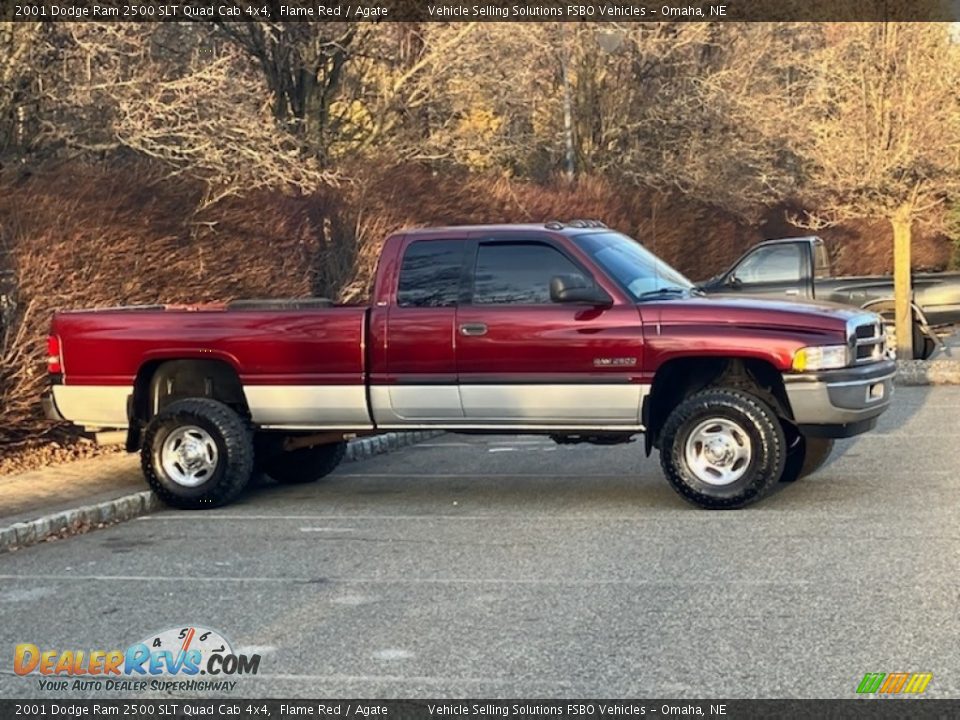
902 291
570 156
571 165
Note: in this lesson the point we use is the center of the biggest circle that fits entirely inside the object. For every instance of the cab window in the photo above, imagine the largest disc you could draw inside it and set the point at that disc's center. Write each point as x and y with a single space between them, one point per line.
430 274
775 263
518 273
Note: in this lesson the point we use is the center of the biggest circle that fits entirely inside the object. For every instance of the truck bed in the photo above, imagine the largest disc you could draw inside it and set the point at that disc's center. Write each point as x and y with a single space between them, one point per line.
285 357
938 294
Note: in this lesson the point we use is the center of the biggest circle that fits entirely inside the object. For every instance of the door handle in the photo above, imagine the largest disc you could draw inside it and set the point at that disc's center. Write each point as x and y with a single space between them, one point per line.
473 329
791 292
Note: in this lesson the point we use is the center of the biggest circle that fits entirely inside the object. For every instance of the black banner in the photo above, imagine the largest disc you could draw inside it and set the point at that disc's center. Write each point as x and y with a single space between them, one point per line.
482 10
447 709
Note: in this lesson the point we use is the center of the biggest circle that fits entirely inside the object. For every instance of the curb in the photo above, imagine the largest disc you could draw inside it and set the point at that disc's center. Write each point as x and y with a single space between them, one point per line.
128 507
79 519
928 372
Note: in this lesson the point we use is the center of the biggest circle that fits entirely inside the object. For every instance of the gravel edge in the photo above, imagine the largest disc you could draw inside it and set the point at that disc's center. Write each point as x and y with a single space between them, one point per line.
928 372
90 517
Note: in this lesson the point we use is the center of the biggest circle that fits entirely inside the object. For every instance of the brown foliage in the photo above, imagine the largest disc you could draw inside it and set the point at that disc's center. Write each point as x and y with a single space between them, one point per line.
79 236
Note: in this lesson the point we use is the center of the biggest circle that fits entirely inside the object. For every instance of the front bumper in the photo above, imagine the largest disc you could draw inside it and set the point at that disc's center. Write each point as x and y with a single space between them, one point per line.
50 408
840 403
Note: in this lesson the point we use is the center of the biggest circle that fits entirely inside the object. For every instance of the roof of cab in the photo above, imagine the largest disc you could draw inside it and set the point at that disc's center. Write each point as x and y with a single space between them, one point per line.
776 241
574 227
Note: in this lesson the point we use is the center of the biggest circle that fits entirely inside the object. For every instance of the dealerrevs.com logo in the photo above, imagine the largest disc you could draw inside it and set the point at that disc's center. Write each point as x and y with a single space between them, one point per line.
178 659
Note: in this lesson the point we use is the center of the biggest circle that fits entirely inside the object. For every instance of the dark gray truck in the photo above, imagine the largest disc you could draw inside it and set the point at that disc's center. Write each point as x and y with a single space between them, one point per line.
800 268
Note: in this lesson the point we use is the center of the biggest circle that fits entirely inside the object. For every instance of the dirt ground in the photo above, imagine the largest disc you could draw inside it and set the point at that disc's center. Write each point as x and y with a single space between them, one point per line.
36 454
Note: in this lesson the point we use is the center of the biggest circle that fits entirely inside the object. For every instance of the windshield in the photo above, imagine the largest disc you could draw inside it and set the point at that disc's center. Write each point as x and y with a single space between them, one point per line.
639 272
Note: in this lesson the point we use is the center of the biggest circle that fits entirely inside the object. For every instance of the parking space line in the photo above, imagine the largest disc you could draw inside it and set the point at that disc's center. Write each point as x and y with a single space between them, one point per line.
444 445
585 582
517 442
325 529
172 517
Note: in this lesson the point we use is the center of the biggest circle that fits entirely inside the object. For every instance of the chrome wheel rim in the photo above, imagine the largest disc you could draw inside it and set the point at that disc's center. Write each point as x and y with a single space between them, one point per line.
189 456
718 451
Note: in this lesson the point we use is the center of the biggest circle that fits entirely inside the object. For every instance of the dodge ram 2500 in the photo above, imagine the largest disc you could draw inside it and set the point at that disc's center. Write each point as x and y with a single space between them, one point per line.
568 330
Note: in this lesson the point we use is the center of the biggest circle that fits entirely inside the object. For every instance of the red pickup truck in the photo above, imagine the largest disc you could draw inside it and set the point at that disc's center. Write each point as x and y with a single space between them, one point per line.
569 330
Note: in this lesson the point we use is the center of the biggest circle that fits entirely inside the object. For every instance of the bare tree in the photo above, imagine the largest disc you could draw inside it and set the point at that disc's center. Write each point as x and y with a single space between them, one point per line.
18 50
684 128
872 117
408 90
206 114
303 65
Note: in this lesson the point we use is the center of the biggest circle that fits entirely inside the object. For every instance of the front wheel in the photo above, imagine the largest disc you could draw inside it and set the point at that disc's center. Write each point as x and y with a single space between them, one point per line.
197 453
722 448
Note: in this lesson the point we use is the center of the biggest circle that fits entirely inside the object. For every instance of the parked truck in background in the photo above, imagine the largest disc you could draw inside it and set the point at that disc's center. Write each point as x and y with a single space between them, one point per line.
568 330
799 268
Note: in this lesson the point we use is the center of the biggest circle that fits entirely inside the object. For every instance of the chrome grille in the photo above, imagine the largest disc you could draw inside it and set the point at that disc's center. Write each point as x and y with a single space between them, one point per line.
868 342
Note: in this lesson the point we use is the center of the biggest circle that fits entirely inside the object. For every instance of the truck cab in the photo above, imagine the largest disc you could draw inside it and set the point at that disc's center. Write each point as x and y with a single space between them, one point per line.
782 268
490 327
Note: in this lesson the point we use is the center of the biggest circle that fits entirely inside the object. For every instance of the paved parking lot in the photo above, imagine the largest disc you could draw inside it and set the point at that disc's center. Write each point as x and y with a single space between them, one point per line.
511 567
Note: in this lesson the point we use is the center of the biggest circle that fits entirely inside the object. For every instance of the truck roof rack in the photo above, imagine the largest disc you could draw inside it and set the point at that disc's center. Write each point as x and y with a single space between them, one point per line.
557 225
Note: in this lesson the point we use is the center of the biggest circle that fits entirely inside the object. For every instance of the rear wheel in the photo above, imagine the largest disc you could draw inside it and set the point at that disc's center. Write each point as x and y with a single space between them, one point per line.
197 453
805 456
722 448
305 465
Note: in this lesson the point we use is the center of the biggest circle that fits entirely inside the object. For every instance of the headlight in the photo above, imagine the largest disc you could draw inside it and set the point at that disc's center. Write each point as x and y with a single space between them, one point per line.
824 357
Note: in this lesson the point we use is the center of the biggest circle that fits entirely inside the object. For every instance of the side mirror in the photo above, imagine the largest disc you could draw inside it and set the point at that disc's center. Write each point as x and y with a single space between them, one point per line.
734 282
577 289
712 284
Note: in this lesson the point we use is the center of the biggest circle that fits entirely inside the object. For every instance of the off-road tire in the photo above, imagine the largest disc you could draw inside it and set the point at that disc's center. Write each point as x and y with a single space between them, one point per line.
805 457
757 420
234 441
305 465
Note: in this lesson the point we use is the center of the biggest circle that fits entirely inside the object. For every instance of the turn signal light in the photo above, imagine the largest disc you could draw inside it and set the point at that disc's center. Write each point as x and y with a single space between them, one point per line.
825 357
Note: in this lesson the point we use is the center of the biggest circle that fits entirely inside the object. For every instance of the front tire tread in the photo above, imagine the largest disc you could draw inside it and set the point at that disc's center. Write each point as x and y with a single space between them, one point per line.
738 405
234 437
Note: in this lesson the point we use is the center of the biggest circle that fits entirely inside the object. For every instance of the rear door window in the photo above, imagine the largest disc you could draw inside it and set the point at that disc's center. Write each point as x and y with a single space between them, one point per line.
430 273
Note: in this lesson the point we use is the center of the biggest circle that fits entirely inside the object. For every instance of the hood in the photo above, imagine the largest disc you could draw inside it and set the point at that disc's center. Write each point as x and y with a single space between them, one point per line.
759 312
